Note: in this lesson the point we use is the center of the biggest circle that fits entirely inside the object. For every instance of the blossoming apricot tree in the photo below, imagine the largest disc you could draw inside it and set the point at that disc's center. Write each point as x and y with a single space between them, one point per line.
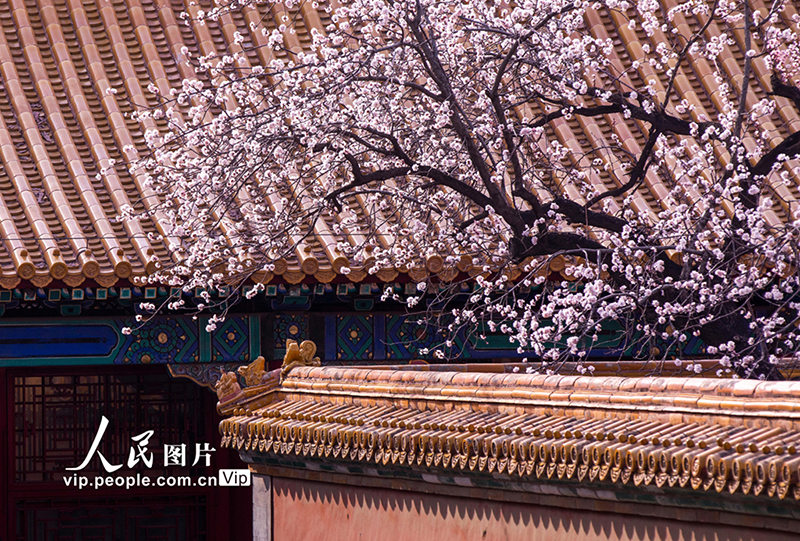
409 130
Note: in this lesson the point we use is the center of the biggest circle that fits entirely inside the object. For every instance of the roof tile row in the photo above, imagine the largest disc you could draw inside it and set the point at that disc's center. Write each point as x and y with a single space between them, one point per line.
741 437
59 128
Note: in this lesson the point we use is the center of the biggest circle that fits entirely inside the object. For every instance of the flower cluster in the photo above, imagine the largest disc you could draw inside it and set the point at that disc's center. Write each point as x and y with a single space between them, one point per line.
437 137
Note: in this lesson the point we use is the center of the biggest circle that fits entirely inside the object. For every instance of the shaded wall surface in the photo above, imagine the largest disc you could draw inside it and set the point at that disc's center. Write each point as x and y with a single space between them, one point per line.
311 510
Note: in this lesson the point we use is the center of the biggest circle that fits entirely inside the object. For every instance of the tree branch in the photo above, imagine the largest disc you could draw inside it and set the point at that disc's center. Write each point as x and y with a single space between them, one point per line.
579 214
779 88
476 218
748 66
360 179
637 175
397 149
414 86
789 147
441 178
428 46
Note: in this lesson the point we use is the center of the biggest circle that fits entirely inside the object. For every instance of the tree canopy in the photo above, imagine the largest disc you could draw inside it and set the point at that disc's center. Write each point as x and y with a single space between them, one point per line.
503 140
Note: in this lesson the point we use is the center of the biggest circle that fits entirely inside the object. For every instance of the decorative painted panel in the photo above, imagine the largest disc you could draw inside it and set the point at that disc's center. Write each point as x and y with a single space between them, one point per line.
411 337
163 340
355 337
230 340
41 340
183 340
288 326
406 335
100 341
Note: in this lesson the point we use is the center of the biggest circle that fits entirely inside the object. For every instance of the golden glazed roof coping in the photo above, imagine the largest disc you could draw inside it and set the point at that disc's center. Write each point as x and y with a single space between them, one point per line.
737 437
709 400
642 385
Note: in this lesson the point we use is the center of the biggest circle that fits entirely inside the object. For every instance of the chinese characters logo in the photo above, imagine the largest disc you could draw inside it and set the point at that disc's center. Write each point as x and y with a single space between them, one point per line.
174 454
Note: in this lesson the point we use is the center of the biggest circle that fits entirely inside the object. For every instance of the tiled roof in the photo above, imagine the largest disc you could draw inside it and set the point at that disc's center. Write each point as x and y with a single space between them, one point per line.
734 437
59 128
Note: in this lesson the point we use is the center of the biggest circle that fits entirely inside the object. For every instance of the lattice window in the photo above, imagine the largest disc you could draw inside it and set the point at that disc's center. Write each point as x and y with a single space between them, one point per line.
56 418
113 519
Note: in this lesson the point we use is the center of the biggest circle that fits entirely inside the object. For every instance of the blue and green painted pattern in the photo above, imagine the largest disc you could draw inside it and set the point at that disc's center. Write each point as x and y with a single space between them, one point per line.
350 337
406 336
90 341
355 338
288 327
403 337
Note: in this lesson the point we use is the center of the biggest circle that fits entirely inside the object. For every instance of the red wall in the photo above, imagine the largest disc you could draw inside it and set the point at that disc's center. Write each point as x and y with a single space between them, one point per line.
320 511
